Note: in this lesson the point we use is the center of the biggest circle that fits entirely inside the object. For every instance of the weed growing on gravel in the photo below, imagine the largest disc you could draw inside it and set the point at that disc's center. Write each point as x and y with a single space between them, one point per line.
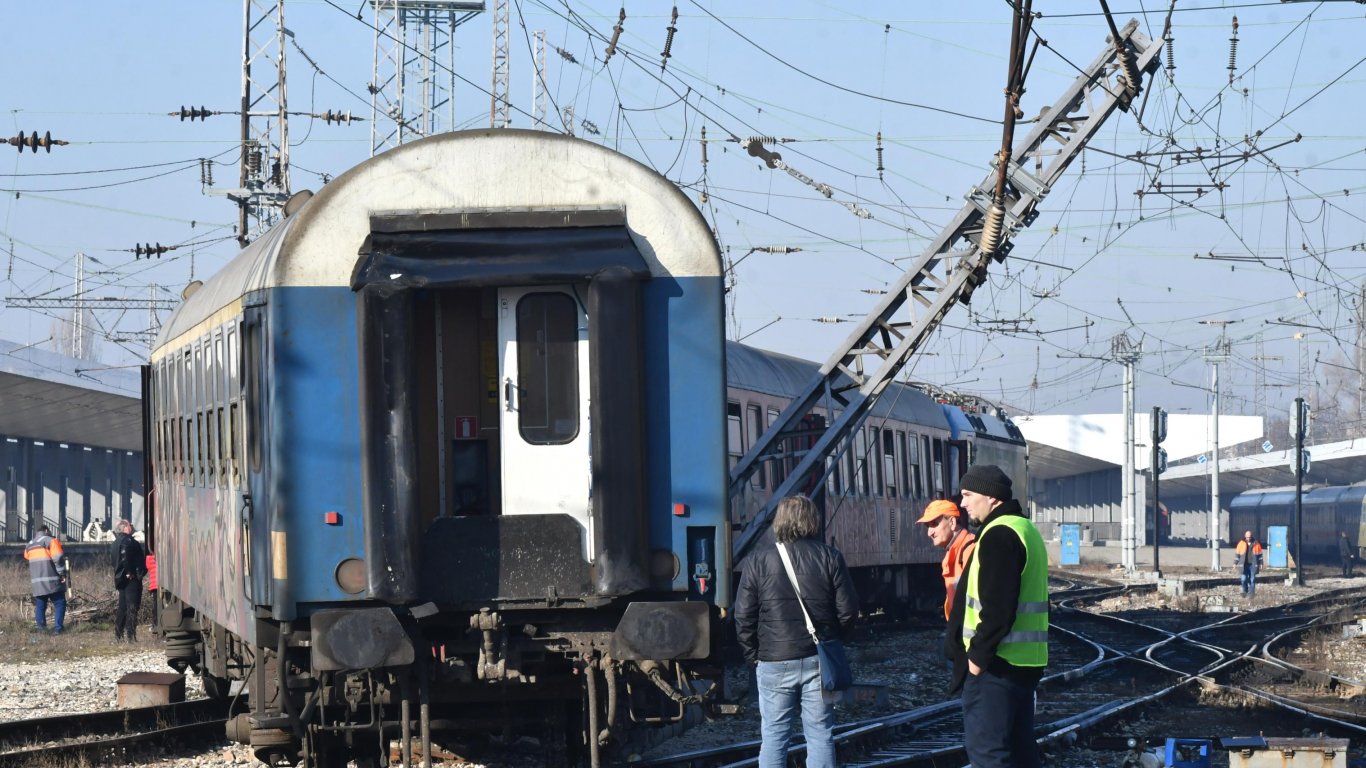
89 621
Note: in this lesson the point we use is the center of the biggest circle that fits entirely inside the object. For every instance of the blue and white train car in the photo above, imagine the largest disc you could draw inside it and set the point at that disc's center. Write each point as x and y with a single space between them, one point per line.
445 448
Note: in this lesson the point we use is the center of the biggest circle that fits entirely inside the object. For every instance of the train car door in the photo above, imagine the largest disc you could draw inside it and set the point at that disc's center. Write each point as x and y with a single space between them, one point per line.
543 376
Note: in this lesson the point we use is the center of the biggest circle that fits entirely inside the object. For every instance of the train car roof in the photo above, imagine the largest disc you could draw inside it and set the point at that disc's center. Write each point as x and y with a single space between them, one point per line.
962 423
501 171
779 375
1324 494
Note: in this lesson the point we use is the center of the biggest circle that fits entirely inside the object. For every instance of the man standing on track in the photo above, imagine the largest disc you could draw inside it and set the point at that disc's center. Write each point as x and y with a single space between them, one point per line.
1249 557
47 573
1346 553
998 629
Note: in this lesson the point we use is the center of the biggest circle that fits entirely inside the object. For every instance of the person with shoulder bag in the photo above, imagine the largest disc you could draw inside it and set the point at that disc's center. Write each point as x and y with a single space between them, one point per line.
795 604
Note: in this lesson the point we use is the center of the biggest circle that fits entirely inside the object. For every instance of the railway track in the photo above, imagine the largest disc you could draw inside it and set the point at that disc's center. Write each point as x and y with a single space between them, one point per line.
100 738
1108 666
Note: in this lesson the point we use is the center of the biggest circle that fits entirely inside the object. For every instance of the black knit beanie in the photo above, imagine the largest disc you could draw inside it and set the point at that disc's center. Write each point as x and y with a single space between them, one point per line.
988 480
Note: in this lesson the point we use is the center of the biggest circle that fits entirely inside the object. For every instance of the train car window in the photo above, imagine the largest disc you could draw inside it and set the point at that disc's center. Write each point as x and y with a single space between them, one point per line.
198 475
234 434
167 449
861 463
925 464
219 392
875 460
221 448
251 395
889 463
778 467
184 409
210 447
234 365
735 446
755 425
833 485
938 477
548 368
914 480
848 470
197 404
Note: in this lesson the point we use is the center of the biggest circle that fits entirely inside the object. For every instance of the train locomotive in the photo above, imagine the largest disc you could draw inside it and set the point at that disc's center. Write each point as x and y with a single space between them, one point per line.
444 450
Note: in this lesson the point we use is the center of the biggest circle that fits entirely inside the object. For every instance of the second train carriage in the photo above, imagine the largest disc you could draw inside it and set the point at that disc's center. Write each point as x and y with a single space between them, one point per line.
445 449
1325 510
912 449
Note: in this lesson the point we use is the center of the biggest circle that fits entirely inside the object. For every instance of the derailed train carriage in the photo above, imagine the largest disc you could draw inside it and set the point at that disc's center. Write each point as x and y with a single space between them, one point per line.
912 449
444 450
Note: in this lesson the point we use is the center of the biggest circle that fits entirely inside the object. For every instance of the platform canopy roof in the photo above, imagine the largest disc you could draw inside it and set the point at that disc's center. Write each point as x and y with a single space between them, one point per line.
52 397
1064 446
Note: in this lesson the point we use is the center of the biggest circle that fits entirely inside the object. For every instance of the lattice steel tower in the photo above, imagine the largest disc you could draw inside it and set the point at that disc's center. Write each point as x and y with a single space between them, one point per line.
538 91
498 111
412 89
264 163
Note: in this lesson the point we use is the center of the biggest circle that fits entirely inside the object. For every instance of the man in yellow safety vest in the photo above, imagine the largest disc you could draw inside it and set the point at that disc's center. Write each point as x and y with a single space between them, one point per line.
998 630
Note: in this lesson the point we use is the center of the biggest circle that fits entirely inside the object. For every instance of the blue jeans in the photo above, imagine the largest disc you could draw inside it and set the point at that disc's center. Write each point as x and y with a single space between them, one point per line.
785 686
998 722
1249 580
58 600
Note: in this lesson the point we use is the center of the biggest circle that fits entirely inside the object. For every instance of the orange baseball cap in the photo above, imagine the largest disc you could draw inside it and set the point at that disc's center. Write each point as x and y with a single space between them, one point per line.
937 509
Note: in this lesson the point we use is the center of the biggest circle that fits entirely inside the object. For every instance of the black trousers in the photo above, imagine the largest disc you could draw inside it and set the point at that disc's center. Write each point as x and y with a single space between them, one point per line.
998 722
1347 563
126 617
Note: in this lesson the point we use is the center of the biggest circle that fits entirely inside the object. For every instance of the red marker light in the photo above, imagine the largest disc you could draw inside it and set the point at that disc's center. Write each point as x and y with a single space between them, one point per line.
332 518
680 510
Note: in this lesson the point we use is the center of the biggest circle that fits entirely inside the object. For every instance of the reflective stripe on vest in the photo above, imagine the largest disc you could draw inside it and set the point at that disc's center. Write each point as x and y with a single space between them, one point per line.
1026 645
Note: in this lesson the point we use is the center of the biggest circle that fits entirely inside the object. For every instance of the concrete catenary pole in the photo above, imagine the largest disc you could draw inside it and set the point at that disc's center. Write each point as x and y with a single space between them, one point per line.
1214 479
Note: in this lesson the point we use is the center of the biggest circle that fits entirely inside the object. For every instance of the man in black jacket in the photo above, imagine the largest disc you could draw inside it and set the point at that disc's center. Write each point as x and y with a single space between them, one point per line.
998 628
772 631
130 564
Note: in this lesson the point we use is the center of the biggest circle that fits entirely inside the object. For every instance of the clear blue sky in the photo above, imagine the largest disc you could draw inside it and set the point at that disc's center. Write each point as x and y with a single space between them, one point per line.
103 75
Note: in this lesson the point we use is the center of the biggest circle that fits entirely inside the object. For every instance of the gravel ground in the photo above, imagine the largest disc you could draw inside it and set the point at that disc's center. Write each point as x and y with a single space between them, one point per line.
906 660
39 689
1229 596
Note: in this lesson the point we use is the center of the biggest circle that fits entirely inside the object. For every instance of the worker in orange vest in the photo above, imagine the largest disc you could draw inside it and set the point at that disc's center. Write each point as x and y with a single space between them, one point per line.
944 524
1249 556
48 574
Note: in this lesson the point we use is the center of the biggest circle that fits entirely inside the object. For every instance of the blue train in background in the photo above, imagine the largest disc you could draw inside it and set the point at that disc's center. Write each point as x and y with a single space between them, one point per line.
444 449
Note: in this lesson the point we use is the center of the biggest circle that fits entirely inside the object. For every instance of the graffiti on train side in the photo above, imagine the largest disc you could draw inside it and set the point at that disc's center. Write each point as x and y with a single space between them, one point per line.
203 547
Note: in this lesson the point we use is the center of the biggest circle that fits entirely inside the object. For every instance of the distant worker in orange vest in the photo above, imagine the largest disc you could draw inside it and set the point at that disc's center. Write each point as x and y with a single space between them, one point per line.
47 572
1249 556
944 523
